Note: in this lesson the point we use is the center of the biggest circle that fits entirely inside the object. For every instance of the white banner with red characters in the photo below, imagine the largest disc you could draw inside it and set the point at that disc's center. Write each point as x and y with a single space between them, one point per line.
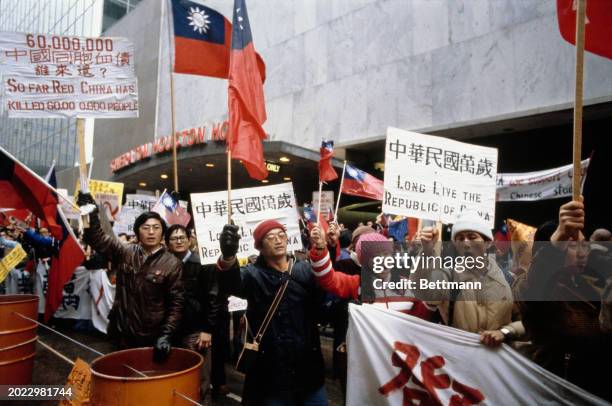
48 75
396 359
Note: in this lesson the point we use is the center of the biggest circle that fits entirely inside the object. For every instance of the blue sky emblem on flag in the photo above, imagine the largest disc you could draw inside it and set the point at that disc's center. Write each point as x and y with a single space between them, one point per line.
169 203
354 173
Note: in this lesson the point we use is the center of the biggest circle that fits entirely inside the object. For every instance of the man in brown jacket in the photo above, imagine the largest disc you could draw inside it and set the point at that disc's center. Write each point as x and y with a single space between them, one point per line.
149 297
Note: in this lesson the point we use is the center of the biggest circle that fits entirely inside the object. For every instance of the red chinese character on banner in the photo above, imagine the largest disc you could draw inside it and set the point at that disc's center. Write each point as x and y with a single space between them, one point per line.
62 70
101 59
40 55
123 58
15 53
425 391
42 70
82 57
62 57
85 71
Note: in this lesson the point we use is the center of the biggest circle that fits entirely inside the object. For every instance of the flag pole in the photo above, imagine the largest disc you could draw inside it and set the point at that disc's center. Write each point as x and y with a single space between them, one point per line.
54 190
172 114
339 193
580 17
229 186
319 205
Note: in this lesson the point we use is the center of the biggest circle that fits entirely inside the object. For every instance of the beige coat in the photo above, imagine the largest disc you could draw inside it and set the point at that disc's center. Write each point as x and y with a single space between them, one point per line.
475 310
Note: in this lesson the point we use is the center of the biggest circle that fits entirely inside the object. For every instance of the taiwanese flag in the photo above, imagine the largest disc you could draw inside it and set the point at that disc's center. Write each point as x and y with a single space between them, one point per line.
597 27
247 110
171 211
201 40
359 183
311 218
326 170
21 189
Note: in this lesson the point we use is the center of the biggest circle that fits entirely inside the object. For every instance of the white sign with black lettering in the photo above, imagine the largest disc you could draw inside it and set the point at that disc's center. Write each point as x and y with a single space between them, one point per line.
539 185
249 207
436 178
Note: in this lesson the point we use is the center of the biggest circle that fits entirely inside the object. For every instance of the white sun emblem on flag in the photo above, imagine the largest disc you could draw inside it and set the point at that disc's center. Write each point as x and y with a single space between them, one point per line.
198 19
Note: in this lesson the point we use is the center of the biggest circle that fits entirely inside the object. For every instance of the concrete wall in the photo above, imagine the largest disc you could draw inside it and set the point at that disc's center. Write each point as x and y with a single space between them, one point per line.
113 137
347 69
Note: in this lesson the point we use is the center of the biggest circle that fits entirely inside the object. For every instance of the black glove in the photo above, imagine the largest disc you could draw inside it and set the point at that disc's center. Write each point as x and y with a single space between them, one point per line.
161 350
85 198
228 241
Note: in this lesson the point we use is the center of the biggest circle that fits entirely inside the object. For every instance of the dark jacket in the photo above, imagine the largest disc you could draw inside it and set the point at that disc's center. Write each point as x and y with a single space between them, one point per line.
201 297
149 296
290 358
561 317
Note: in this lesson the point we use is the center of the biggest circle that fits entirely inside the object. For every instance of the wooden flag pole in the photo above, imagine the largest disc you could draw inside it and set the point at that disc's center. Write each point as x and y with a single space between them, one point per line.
229 186
339 193
580 17
174 161
82 164
172 114
319 205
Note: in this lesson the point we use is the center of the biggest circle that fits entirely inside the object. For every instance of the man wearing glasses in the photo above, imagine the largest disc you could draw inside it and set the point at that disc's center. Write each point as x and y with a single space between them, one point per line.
201 300
289 368
149 298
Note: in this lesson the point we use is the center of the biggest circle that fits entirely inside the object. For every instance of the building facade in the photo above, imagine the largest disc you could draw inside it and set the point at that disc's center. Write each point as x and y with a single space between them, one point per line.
486 70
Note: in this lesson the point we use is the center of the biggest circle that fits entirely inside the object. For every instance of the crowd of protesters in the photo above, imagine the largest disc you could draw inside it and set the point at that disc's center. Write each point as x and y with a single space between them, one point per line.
558 312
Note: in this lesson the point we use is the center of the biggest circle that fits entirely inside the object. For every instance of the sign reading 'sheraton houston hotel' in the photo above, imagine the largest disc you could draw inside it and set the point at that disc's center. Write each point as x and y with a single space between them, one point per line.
46 75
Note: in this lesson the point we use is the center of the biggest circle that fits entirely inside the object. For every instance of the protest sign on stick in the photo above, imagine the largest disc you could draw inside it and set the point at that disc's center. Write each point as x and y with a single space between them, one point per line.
437 178
249 206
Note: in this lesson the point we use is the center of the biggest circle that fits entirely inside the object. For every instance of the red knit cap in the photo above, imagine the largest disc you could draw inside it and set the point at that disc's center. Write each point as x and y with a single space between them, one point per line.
264 228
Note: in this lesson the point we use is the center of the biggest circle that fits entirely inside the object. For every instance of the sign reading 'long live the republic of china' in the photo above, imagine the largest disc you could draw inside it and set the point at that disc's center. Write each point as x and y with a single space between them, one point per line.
249 207
46 75
436 178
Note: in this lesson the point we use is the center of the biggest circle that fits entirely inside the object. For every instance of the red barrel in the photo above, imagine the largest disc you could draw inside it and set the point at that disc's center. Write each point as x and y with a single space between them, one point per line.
115 383
17 339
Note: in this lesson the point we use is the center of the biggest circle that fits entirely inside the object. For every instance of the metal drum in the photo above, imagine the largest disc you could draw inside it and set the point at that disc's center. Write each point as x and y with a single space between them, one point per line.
115 380
17 339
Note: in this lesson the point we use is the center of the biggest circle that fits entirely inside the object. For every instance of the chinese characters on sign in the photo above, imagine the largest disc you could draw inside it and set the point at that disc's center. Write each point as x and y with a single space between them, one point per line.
47 75
436 178
249 207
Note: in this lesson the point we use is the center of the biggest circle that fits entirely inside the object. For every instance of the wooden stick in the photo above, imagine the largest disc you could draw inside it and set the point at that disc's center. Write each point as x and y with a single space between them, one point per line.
339 193
319 205
170 62
580 16
59 354
82 164
174 160
54 190
229 186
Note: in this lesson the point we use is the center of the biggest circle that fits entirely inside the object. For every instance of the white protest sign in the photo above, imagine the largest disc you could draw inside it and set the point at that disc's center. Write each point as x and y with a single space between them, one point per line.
69 211
236 304
327 201
539 185
436 178
46 75
249 207
135 205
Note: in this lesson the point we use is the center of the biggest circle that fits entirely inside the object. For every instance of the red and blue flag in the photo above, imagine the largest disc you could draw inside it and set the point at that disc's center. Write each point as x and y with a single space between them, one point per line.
247 107
326 170
359 183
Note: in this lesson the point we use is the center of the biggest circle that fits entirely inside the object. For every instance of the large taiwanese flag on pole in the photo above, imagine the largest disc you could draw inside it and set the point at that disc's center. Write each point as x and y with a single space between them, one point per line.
597 27
202 39
247 110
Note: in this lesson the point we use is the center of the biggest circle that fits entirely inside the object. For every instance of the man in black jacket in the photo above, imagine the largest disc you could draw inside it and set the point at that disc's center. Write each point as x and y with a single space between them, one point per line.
289 367
201 300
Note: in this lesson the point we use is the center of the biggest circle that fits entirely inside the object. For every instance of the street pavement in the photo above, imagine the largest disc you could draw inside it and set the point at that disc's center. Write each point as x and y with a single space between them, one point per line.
49 369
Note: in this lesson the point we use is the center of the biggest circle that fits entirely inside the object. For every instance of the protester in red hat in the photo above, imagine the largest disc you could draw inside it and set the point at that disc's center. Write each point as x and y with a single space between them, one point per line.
288 368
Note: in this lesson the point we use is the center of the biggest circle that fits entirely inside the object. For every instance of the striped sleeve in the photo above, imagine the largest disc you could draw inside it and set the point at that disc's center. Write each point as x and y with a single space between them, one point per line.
337 283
